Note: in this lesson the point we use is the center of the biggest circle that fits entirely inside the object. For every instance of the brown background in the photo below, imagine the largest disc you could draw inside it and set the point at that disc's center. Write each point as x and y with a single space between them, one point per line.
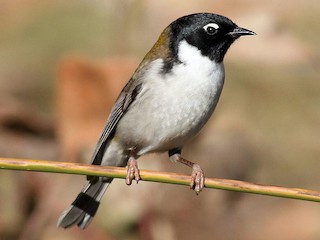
62 63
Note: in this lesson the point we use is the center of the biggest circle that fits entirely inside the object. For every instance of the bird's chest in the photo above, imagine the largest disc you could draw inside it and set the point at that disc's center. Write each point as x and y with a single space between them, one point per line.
172 107
184 100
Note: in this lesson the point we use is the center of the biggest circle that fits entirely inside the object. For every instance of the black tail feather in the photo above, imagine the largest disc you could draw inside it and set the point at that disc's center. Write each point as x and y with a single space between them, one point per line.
84 207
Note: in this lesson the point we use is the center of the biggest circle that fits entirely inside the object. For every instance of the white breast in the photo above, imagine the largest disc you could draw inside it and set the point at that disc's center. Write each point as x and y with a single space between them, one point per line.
173 107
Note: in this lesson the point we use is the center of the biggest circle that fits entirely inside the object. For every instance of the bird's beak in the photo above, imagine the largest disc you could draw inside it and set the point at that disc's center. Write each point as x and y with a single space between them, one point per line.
238 31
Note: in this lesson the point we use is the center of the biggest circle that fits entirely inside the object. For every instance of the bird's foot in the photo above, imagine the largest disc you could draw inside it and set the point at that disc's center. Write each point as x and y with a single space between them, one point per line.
197 178
132 171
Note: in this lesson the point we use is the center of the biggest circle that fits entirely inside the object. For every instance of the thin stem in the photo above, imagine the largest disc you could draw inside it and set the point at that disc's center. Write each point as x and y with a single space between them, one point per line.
153 176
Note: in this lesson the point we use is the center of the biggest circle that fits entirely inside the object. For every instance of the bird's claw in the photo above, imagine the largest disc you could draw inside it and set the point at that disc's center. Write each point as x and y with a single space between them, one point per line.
132 171
197 179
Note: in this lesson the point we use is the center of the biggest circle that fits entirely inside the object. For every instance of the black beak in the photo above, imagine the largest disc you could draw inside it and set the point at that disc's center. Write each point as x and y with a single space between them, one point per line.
238 32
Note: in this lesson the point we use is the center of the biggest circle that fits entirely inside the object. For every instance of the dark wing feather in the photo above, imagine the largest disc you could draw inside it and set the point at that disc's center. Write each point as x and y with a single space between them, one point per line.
126 97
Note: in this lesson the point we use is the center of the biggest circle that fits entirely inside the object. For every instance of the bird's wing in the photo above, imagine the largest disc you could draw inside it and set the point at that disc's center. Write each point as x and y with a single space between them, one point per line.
126 97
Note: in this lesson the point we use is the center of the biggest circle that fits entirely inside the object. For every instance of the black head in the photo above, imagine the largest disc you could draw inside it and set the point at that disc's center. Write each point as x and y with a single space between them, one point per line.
212 34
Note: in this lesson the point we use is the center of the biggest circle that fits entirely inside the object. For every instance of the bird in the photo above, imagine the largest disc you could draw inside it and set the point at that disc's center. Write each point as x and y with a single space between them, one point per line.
166 102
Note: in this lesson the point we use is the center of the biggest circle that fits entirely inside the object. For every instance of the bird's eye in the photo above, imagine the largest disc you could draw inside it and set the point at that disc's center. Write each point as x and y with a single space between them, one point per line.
211 28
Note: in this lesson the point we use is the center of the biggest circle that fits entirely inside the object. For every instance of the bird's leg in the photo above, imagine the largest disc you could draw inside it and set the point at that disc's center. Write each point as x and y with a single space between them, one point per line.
132 167
197 176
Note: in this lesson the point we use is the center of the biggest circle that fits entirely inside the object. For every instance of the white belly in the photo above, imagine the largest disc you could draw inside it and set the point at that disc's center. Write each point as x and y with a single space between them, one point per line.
173 108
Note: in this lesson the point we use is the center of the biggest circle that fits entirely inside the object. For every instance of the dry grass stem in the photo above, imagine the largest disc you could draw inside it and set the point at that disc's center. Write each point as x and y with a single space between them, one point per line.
154 176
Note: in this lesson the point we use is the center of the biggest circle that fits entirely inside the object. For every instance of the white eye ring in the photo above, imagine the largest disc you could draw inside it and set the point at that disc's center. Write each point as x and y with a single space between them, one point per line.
211 28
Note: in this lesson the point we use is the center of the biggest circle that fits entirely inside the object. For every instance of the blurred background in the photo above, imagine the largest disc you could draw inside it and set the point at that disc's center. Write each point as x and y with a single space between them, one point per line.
62 64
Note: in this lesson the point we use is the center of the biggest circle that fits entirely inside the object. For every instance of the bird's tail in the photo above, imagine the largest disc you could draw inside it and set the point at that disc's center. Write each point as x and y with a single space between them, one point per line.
84 207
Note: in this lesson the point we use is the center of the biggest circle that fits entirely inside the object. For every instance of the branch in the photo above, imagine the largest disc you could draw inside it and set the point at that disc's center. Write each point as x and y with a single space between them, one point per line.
152 176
